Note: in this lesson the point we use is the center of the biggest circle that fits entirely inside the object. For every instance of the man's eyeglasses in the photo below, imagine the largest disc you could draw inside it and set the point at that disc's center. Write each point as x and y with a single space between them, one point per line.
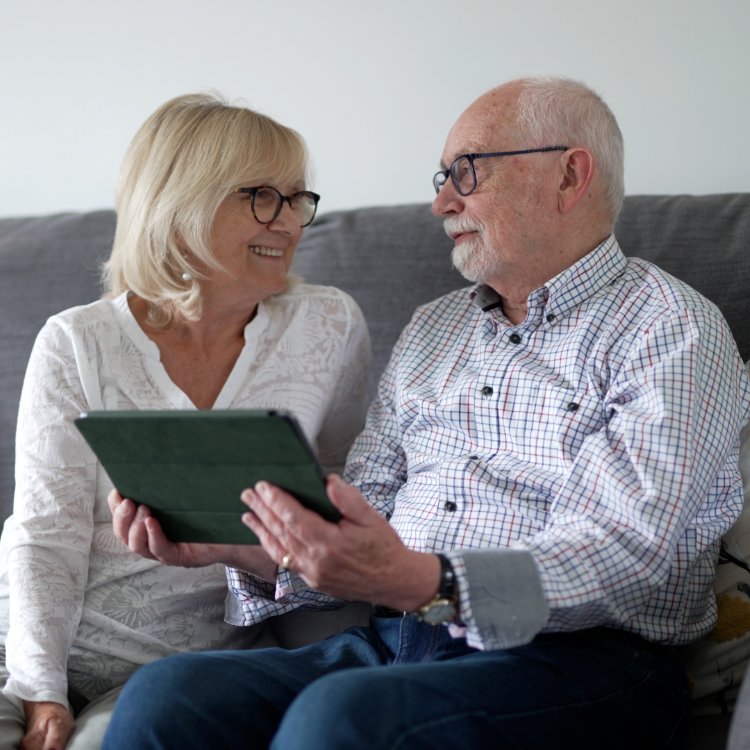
266 203
463 174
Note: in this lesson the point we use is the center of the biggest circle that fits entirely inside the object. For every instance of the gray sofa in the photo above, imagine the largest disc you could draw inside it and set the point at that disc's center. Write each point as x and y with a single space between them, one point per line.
390 259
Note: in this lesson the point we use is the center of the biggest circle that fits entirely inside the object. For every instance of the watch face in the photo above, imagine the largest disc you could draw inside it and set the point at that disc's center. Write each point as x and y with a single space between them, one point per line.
438 611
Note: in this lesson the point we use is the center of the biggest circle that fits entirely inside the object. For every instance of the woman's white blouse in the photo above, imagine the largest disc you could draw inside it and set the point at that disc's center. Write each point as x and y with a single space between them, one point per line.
76 605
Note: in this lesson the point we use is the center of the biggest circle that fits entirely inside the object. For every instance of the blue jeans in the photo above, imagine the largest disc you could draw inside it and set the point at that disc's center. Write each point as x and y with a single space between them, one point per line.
404 685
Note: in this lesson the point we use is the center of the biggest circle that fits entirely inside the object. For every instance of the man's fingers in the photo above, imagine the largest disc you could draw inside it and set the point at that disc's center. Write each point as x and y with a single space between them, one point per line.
281 514
349 501
268 541
285 527
282 524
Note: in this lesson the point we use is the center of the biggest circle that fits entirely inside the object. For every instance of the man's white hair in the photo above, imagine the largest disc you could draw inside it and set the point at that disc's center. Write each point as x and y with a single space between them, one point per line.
561 111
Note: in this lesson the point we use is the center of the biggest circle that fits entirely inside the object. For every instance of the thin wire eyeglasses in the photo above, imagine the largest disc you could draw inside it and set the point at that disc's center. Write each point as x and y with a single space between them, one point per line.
463 174
266 203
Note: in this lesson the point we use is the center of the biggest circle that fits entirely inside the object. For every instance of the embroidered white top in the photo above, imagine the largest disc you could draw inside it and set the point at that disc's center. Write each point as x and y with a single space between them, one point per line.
75 603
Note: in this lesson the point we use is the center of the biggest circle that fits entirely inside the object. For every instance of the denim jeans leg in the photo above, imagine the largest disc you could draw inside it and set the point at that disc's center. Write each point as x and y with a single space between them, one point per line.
586 691
226 699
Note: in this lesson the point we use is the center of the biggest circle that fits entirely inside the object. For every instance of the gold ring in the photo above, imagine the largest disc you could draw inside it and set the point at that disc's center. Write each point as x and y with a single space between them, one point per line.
286 561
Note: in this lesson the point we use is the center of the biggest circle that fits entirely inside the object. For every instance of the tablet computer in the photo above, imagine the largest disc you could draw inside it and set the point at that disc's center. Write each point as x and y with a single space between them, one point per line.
190 467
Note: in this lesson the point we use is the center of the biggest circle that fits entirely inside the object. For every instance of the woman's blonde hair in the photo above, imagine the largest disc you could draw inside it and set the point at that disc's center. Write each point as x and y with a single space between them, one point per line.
182 163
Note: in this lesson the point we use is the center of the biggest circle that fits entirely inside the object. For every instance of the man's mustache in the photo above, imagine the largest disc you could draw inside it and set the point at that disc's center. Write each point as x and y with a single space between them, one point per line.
455 225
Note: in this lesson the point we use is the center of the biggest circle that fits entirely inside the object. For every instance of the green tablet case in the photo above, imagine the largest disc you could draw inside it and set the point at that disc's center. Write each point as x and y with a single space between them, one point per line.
190 467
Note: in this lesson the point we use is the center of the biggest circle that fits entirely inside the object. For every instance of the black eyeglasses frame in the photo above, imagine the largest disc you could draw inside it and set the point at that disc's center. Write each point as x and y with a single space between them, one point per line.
441 177
253 191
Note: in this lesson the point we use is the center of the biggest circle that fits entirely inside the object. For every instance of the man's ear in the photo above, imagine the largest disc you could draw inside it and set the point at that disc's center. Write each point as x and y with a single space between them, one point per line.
577 169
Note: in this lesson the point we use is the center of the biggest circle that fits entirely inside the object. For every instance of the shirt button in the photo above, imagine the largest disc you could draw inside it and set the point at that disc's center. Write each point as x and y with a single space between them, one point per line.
550 317
514 338
474 457
572 406
450 506
487 390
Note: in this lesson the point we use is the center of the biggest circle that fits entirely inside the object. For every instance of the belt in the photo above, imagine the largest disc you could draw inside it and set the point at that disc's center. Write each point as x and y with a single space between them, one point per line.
381 611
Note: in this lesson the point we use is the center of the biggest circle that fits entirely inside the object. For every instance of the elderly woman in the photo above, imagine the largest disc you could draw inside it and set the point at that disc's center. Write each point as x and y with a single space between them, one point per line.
201 313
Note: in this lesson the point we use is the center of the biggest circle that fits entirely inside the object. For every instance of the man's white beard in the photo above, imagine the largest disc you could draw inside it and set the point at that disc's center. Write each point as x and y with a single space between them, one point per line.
471 260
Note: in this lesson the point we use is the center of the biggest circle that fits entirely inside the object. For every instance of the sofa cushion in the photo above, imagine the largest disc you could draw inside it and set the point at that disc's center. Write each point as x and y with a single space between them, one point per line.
47 263
703 240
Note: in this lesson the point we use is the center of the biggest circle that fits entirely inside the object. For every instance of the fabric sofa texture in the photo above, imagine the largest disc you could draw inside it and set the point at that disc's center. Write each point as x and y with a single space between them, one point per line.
389 258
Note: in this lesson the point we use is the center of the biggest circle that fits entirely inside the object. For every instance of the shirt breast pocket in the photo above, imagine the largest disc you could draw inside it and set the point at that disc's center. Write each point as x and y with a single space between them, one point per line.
558 422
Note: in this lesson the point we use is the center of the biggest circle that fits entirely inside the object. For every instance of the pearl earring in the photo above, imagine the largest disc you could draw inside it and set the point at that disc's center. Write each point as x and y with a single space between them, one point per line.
187 277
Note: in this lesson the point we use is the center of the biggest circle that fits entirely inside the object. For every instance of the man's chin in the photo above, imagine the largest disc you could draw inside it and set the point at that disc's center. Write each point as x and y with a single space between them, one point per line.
462 257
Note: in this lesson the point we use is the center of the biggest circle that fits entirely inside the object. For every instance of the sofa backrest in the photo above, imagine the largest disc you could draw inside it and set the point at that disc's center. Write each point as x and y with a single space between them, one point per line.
390 259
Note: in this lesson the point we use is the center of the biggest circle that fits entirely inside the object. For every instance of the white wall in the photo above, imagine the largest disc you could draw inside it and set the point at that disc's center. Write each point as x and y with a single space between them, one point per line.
373 86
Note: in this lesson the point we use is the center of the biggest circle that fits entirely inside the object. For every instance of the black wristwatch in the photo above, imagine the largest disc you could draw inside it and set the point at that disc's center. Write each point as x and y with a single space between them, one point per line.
444 607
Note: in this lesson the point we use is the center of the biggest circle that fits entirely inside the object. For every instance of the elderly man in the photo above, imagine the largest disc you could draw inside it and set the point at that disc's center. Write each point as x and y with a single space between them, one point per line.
534 505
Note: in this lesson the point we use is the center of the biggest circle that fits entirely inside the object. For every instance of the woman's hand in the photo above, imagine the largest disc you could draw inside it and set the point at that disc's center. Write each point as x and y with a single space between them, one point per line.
141 532
49 726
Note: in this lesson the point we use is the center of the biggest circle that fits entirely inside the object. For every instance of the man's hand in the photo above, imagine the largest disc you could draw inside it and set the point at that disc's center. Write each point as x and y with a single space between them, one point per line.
48 726
141 532
359 558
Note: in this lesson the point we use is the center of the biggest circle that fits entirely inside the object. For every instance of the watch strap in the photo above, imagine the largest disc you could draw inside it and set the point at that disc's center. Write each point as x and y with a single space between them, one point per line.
447 586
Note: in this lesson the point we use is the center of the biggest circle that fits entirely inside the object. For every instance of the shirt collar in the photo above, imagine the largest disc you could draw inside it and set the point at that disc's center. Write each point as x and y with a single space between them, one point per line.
568 289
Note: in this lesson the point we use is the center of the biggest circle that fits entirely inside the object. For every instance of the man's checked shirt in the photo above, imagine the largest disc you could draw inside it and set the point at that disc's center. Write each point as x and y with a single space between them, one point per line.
579 468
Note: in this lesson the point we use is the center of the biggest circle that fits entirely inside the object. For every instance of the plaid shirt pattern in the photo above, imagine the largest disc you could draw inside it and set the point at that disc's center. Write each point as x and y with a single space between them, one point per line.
599 438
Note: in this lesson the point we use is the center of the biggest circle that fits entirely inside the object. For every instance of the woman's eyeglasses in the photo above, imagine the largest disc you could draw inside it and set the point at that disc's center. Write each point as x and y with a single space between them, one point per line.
266 203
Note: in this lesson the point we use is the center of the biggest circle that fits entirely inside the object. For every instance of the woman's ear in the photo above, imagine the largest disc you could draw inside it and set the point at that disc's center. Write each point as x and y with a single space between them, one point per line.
577 167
